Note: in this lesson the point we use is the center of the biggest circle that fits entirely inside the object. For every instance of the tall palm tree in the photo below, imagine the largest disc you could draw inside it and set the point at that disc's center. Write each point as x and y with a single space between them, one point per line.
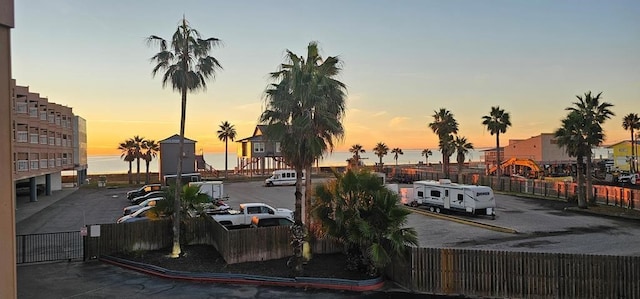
227 131
127 154
356 150
304 111
462 149
631 122
151 149
137 142
497 123
356 209
381 150
426 153
572 137
185 64
396 151
444 125
594 114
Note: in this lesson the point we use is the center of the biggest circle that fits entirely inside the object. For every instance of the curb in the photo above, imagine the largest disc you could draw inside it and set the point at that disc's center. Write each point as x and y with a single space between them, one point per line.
464 221
231 278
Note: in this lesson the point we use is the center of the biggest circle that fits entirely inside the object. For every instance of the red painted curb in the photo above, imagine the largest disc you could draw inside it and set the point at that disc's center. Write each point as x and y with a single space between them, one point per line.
362 288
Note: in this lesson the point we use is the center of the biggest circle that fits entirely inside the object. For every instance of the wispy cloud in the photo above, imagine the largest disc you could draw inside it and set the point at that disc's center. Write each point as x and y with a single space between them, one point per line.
398 121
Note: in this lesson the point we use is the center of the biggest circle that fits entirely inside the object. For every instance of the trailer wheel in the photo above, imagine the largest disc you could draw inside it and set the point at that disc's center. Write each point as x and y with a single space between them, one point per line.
438 210
414 204
493 217
431 209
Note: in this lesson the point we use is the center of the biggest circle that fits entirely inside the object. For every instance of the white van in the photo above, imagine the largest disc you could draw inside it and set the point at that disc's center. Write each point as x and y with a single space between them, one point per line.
282 177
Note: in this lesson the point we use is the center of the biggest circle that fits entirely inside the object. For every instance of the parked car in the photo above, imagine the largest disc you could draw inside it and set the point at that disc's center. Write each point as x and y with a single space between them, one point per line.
138 200
143 190
266 221
139 215
147 202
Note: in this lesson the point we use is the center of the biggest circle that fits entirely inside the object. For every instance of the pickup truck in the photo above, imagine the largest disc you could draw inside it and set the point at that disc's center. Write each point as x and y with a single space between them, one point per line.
244 216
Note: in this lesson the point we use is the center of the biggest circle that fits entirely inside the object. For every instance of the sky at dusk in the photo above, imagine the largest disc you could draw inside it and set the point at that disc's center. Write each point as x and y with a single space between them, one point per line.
402 60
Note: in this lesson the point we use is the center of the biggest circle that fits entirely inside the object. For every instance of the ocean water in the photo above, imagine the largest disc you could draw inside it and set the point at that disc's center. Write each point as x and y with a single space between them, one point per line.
115 164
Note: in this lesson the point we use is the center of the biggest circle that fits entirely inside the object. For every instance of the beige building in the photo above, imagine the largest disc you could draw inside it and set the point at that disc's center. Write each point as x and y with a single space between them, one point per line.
44 142
543 149
8 280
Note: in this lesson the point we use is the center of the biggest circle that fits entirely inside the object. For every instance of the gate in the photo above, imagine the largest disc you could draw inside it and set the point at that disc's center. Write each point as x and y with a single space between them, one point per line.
47 247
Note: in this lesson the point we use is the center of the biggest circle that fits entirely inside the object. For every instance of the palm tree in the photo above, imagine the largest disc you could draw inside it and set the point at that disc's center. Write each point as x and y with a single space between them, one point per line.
359 211
304 112
444 124
396 151
632 122
127 154
426 153
227 131
381 150
186 66
571 136
137 142
594 115
462 149
497 122
356 150
151 149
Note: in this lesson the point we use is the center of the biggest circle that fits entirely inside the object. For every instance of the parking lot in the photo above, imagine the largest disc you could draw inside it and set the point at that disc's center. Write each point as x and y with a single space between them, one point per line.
542 226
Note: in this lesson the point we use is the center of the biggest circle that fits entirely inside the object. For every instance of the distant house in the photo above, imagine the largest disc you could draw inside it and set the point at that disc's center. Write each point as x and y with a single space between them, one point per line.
169 153
622 154
257 154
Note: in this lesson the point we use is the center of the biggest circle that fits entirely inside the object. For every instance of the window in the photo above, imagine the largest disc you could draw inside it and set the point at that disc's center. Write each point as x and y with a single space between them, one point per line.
43 139
277 147
420 194
52 163
33 111
23 165
21 108
258 147
34 164
435 193
446 193
22 136
43 115
254 210
460 197
52 141
33 138
43 163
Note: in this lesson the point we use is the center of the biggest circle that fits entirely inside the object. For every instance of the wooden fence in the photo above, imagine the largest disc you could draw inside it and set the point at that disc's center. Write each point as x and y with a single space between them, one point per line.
235 246
480 273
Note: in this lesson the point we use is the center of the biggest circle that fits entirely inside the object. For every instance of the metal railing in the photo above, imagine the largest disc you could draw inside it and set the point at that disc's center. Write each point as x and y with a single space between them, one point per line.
47 247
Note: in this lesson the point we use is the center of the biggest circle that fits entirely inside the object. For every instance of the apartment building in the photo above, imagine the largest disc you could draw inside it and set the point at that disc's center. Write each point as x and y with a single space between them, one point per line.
45 142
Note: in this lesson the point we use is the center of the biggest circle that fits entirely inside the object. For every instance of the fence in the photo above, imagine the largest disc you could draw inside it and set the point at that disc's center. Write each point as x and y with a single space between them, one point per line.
604 194
48 247
517 274
235 246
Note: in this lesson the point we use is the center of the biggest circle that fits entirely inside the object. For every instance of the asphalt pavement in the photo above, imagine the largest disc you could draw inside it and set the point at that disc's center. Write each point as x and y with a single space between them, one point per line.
76 279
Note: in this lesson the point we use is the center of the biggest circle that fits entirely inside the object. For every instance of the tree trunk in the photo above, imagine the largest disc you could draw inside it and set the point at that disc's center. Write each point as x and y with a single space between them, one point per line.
498 170
590 198
226 152
177 205
582 203
146 177
138 169
298 227
130 177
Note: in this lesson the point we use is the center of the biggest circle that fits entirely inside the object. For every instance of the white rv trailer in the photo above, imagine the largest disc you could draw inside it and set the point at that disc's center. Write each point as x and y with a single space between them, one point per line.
444 195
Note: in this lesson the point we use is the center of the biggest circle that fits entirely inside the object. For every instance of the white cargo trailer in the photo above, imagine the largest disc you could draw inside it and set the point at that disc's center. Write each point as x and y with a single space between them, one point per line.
215 189
444 195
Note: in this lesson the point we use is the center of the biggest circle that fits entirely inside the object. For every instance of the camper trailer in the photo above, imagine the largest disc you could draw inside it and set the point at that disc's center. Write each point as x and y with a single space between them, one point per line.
282 177
443 195
215 189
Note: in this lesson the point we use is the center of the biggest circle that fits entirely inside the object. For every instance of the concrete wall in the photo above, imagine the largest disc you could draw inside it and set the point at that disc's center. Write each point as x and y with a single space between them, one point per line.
8 277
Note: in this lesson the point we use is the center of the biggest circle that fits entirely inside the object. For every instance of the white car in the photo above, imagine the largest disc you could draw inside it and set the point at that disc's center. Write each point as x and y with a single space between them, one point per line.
139 215
147 202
